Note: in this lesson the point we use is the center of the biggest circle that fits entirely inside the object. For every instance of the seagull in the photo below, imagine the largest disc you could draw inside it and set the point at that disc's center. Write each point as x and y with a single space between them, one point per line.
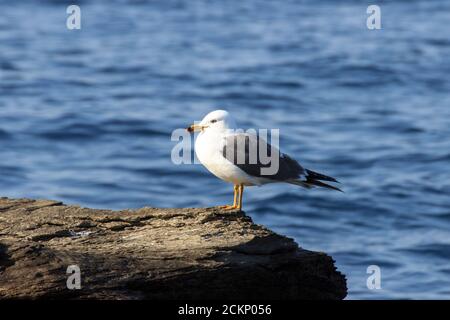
231 155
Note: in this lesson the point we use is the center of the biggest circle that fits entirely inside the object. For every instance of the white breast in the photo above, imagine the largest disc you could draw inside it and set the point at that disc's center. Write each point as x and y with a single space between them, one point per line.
208 148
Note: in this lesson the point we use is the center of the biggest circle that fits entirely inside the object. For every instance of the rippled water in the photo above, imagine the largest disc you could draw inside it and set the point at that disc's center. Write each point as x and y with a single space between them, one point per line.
86 117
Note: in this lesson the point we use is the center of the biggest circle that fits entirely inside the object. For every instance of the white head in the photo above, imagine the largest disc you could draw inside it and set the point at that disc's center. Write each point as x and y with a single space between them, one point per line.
215 120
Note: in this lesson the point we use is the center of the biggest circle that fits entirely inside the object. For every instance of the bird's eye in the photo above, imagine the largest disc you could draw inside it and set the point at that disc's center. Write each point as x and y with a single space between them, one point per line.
213 121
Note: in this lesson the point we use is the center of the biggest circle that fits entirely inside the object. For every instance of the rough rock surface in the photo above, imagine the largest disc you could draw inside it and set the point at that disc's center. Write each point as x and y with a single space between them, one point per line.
154 253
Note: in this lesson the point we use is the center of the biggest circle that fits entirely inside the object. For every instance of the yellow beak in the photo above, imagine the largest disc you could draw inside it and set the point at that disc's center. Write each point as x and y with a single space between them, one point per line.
196 127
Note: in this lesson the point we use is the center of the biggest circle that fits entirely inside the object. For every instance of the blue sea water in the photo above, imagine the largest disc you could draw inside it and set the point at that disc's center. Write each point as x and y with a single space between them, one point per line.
86 117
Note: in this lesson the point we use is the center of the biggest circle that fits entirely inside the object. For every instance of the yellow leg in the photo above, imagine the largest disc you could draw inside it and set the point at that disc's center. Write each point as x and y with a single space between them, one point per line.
241 193
236 190
235 198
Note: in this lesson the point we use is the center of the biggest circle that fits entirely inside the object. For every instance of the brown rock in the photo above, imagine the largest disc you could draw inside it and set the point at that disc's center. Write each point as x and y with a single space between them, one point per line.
153 253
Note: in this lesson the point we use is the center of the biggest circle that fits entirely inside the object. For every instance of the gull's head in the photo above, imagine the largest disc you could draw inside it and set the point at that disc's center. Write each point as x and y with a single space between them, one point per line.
216 120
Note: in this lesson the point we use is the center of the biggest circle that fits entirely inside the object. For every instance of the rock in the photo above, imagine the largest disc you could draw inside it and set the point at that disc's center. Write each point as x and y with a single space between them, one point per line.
153 253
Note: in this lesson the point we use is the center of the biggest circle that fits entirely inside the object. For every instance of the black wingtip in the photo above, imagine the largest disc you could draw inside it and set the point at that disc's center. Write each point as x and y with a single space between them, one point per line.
312 175
324 185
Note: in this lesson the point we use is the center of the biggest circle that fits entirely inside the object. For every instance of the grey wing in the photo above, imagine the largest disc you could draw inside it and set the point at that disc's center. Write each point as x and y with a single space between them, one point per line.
251 154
